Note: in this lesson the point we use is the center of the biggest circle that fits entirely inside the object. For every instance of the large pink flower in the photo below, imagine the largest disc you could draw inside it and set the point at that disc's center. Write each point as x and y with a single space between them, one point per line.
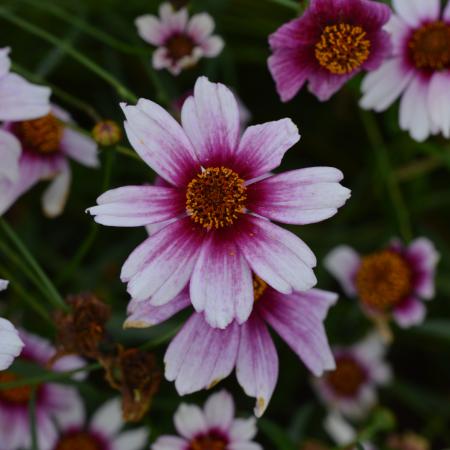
328 45
181 41
418 70
200 356
220 198
19 99
40 149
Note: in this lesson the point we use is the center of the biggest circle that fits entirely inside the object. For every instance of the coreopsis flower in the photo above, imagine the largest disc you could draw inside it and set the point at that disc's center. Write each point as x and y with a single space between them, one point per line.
40 149
390 282
213 427
52 400
181 41
10 343
200 356
19 99
351 388
418 69
220 198
328 45
102 432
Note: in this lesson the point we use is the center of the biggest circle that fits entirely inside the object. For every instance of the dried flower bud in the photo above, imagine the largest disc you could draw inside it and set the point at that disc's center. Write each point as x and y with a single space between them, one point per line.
107 133
407 441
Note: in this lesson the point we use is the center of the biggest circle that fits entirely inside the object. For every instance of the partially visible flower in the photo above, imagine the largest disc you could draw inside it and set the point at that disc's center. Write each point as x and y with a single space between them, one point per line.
52 400
181 41
213 428
19 99
390 282
201 356
217 205
10 343
352 387
328 45
407 441
107 133
40 149
101 433
418 69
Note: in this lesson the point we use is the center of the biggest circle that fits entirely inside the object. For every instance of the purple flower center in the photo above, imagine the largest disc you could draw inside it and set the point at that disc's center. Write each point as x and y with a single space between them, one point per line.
213 440
77 440
259 287
41 136
429 46
179 46
383 280
342 48
14 396
348 376
216 197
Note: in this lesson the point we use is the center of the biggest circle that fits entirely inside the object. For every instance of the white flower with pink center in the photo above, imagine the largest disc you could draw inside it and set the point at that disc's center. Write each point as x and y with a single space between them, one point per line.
181 41
391 282
10 343
52 400
40 149
102 432
19 99
418 69
213 428
351 388
217 207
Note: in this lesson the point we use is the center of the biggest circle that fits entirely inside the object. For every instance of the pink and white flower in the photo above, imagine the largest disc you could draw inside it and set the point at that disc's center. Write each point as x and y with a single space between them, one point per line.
10 343
391 282
418 69
52 400
328 45
181 41
103 432
40 149
19 99
217 207
351 388
200 356
213 427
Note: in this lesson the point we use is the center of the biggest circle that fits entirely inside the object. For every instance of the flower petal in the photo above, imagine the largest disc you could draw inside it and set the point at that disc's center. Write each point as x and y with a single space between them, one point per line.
257 363
212 46
219 410
243 429
132 206
170 443
131 440
410 312
10 343
211 120
55 196
200 356
160 141
221 283
200 26
245 446
5 61
10 151
150 29
415 12
3 284
439 101
79 147
446 13
107 420
189 420
300 196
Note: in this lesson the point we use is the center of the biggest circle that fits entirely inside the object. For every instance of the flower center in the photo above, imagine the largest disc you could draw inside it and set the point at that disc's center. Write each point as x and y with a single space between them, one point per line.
78 440
15 396
210 441
348 376
429 46
342 48
41 136
216 197
383 280
259 287
179 46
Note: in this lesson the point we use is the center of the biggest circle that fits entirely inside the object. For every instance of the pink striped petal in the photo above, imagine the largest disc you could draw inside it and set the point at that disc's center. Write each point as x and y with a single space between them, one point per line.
160 141
298 319
162 265
300 196
132 206
211 120
410 312
200 356
221 283
414 12
257 363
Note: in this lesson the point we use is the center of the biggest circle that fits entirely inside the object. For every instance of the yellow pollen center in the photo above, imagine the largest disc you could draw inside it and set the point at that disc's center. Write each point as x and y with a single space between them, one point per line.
79 440
348 376
179 46
342 48
216 197
16 396
42 136
429 46
208 442
259 287
383 280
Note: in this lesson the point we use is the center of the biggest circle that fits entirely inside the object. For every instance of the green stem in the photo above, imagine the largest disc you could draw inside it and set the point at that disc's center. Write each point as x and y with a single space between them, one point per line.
53 294
80 57
127 152
33 422
161 339
288 4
